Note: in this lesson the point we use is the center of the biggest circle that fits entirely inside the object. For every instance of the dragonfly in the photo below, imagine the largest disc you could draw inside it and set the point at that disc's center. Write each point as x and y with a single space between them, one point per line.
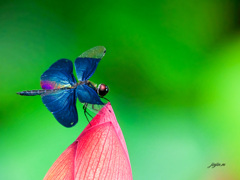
60 89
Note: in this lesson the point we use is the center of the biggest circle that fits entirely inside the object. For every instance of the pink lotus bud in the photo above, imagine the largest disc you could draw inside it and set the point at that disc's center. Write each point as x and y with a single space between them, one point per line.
100 152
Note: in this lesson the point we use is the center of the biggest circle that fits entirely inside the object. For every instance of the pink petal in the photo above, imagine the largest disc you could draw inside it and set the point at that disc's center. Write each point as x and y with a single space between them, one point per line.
100 152
63 167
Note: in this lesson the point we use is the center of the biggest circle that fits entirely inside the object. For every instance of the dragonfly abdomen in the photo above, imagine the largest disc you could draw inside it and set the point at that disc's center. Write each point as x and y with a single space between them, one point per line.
33 92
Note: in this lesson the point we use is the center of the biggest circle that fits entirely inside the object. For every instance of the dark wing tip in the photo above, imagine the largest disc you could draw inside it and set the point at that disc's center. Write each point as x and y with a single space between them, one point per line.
97 52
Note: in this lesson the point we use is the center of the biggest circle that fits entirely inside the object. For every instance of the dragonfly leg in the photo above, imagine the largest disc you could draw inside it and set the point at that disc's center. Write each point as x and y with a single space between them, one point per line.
86 113
104 98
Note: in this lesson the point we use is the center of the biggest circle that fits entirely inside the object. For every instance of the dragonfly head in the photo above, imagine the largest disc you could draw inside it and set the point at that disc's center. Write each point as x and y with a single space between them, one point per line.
102 89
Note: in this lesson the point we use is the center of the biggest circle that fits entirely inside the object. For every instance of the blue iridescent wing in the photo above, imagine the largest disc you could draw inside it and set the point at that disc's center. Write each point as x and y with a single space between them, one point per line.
86 94
62 104
59 75
87 62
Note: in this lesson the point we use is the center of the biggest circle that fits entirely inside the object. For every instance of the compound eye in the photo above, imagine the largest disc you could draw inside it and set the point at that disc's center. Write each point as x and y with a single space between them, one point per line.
102 89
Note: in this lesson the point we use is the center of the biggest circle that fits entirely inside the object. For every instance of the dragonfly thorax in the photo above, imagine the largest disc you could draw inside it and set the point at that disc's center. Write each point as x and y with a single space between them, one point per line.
101 89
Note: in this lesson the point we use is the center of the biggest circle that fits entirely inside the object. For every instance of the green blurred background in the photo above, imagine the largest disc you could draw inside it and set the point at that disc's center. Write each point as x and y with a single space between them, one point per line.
173 68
